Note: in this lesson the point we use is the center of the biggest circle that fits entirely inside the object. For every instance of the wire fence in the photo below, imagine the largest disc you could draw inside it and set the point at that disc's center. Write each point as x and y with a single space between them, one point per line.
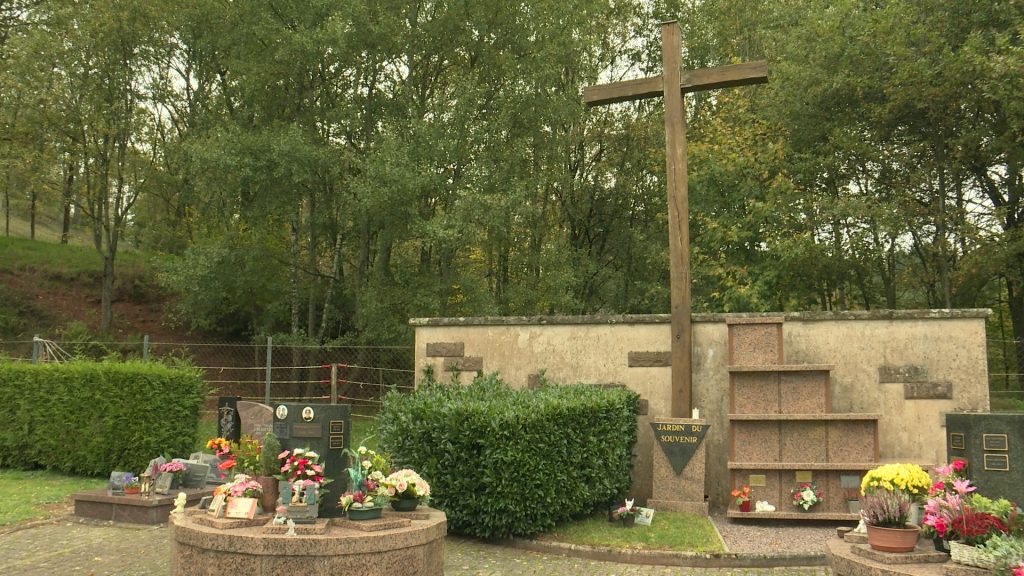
356 375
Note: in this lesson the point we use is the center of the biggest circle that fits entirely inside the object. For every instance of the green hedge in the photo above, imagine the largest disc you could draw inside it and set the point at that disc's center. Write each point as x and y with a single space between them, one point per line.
505 462
91 418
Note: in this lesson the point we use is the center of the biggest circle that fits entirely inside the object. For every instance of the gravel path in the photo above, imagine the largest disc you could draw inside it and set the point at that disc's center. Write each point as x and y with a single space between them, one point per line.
773 537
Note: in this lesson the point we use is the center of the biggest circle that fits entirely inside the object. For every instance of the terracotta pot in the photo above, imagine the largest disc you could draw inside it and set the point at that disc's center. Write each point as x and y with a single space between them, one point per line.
745 506
128 491
893 539
268 501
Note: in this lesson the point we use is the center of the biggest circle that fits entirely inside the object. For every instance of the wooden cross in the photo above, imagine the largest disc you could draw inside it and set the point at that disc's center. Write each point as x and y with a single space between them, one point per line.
672 84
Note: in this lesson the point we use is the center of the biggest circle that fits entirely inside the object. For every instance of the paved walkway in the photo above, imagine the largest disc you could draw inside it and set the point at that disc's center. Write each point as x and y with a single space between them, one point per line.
74 547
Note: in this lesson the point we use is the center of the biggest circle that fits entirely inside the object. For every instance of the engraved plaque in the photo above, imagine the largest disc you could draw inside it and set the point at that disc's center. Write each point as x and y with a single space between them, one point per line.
307 431
336 442
282 430
757 480
804 476
997 442
956 441
336 427
997 462
679 442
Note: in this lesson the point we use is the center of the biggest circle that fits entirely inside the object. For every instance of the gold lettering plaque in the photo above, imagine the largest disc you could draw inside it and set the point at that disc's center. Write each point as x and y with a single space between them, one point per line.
804 476
996 442
336 427
997 462
757 480
956 441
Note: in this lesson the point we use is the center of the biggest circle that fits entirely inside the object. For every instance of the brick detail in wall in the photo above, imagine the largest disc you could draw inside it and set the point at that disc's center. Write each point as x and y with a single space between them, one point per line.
650 359
445 349
901 374
466 364
928 390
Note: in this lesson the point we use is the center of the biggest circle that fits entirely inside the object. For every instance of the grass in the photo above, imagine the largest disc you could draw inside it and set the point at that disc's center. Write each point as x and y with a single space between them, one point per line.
33 494
675 531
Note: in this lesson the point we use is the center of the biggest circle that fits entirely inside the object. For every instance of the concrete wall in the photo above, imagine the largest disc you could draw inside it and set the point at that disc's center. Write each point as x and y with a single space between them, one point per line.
912 367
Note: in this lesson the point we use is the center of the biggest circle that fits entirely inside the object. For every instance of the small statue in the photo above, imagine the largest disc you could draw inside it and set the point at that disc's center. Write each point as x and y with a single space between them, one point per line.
179 504
861 527
291 528
763 506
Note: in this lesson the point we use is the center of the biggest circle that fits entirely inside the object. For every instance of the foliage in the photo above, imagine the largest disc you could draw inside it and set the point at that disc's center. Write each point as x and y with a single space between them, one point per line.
269 463
504 462
886 509
119 414
675 531
806 495
1006 551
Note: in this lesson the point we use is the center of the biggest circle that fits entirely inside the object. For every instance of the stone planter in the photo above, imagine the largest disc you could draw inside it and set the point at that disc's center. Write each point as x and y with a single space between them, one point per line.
893 539
271 493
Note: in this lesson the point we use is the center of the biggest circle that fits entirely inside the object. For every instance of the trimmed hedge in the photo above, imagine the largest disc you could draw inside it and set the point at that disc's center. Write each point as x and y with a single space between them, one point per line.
94 417
503 462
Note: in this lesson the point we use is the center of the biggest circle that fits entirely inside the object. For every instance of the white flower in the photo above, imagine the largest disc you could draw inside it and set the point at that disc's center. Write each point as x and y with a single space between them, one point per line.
366 464
312 454
362 449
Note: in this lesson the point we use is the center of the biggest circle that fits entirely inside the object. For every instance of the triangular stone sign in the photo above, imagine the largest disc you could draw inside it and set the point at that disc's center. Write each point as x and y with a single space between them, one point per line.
679 441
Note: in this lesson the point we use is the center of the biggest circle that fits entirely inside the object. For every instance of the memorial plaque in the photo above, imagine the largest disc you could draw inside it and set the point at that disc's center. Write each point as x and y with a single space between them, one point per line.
228 423
757 480
993 445
320 435
803 476
215 475
257 419
195 474
163 483
679 441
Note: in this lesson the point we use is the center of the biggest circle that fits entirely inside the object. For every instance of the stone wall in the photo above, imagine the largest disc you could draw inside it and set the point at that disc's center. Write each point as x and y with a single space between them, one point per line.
911 366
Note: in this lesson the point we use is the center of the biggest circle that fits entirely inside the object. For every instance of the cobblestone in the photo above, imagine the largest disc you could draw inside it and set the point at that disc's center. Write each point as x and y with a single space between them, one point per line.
82 548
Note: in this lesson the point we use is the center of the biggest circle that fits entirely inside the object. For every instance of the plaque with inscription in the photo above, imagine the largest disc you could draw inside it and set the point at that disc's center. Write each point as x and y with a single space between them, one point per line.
997 462
995 442
757 480
679 441
307 431
163 483
956 441
803 476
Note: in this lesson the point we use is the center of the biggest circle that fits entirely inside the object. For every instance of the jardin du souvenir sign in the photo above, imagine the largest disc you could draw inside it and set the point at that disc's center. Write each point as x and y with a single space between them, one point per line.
679 441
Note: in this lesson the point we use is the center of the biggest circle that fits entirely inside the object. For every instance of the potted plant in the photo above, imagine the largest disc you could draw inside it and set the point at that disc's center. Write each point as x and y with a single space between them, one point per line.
885 513
626 514
131 485
367 493
241 486
406 490
806 495
177 472
742 497
908 478
269 466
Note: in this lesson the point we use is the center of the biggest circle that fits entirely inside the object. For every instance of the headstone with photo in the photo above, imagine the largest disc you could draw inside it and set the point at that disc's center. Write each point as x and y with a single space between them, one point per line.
323 428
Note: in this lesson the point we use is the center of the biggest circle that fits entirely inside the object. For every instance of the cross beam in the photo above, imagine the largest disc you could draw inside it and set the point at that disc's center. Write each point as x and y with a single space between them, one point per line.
672 84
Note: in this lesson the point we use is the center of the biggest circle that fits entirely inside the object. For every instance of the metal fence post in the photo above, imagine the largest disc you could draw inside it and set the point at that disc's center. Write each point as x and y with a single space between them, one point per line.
35 349
145 348
334 383
270 355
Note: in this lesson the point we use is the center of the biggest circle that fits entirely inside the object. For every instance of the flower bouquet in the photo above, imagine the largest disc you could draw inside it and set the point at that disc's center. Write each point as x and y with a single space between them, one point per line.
367 494
625 513
742 497
175 469
806 495
300 482
406 489
909 478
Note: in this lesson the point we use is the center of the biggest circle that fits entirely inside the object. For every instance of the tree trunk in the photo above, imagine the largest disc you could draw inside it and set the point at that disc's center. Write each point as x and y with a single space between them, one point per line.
7 205
293 292
1015 299
314 278
33 198
334 281
65 201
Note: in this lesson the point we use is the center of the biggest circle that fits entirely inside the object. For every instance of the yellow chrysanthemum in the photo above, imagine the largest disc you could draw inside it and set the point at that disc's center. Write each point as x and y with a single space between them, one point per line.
909 478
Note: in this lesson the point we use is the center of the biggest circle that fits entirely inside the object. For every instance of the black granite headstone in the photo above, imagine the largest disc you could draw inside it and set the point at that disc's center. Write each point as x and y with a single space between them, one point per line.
323 428
228 423
679 441
993 446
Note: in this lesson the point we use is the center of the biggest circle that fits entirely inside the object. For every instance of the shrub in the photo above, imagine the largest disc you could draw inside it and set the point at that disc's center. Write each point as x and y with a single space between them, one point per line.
91 418
505 462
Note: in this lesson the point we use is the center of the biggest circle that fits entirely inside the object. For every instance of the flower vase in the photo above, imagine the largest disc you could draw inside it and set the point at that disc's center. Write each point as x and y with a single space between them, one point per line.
745 506
628 520
893 539
271 492
358 514
941 545
404 504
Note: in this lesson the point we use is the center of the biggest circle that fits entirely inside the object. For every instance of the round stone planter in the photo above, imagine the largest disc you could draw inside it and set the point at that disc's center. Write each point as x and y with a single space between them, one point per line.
893 539
405 504
365 513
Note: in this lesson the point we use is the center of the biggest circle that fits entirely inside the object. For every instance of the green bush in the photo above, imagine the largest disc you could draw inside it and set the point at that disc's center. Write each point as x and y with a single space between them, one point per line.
505 462
91 418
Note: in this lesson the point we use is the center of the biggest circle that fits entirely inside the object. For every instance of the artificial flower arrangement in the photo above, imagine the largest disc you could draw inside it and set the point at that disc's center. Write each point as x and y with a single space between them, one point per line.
741 494
627 510
241 486
806 495
219 446
908 478
367 476
175 468
302 464
242 457
406 484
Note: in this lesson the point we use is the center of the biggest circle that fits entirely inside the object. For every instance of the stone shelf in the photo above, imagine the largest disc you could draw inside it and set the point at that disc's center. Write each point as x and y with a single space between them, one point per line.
793 515
783 368
828 416
840 466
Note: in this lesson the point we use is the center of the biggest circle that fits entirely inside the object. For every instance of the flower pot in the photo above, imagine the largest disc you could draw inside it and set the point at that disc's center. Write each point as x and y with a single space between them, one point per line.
745 506
405 504
132 490
940 544
893 539
268 501
365 513
628 520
